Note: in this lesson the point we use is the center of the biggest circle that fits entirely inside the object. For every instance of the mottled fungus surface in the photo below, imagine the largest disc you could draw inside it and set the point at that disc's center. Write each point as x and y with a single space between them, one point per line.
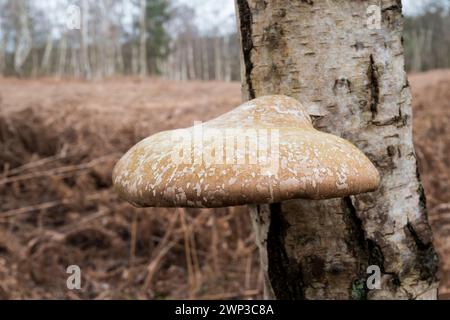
264 151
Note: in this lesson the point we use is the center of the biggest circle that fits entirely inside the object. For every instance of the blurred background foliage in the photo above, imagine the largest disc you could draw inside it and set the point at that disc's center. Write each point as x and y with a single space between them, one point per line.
427 37
177 39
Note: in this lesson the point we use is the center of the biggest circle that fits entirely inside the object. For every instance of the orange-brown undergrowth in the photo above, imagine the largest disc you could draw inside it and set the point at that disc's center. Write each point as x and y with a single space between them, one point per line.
58 143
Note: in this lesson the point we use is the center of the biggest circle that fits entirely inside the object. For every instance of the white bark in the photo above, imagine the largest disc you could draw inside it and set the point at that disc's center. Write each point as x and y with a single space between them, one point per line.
3 53
351 78
85 63
142 40
191 59
218 75
62 55
205 58
227 58
23 39
45 62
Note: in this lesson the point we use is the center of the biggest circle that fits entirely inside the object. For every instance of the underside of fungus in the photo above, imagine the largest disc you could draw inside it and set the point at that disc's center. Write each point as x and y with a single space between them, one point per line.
264 151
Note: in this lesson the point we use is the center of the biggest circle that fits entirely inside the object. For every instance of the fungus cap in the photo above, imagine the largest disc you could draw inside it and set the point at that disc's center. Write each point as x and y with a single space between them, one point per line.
264 151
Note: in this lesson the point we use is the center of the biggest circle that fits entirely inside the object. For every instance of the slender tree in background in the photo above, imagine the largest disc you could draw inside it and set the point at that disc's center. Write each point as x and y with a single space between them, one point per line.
85 63
350 73
62 55
142 39
218 58
45 62
205 59
157 15
23 36
3 40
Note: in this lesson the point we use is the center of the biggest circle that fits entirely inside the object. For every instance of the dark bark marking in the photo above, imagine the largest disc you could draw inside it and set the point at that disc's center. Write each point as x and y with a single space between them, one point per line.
342 84
356 241
245 17
390 15
358 46
356 235
426 259
272 36
260 5
394 7
374 86
399 121
367 251
390 151
285 274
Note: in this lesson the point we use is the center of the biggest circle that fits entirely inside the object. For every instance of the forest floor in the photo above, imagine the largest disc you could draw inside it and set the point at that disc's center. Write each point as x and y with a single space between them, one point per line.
58 143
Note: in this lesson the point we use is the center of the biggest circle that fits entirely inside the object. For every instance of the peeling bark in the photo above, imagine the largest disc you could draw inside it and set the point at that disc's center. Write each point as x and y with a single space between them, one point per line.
352 80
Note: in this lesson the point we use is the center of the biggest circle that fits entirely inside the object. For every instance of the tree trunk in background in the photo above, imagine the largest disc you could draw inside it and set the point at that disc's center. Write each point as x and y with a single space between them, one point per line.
419 43
134 59
352 79
191 60
62 55
217 59
85 63
45 62
183 64
3 53
432 63
23 43
109 54
142 40
119 61
205 58
74 62
227 58
34 63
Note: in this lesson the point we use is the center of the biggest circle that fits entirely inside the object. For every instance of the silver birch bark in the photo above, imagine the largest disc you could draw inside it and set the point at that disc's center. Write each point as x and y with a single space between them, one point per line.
134 59
45 62
351 78
85 63
23 43
205 58
142 40
3 41
218 75
62 55
227 58
191 59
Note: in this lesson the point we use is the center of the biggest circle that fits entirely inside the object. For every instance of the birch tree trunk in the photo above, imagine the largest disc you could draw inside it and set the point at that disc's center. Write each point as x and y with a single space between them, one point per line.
227 58
218 75
85 63
419 41
205 58
142 40
45 62
23 43
134 59
191 59
351 77
62 55
3 41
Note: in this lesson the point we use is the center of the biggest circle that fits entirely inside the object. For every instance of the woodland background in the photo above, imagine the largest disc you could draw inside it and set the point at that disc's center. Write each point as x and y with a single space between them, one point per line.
73 100
162 37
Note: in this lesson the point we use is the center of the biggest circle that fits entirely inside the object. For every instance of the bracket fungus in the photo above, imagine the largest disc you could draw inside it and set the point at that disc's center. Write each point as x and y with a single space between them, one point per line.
264 151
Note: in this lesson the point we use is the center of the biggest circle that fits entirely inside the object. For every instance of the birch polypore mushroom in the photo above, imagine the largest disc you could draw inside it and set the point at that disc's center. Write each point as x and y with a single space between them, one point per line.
264 151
